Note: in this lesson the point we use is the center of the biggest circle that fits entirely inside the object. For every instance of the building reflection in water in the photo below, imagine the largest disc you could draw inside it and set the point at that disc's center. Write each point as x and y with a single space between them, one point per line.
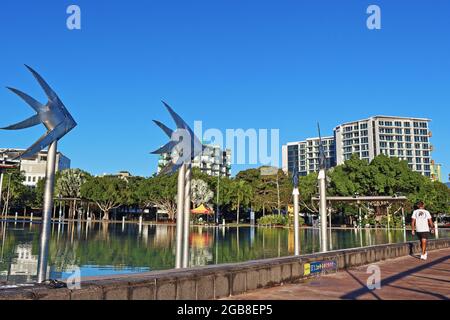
201 243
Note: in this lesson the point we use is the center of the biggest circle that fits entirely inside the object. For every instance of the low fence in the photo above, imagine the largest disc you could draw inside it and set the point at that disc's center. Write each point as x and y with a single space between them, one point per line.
218 281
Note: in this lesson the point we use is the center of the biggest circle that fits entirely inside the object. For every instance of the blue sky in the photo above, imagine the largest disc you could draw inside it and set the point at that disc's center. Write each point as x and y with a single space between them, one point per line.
230 63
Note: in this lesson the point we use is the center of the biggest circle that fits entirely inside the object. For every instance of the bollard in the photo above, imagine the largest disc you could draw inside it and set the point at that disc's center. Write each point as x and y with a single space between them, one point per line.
31 217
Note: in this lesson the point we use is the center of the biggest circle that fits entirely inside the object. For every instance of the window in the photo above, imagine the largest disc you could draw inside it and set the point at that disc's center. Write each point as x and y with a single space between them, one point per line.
398 124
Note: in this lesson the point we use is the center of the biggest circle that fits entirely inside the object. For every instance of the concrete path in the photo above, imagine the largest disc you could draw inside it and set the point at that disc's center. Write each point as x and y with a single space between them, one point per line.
406 278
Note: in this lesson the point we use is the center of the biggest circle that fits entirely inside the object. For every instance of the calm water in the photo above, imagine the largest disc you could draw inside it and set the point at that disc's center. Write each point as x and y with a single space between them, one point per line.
107 249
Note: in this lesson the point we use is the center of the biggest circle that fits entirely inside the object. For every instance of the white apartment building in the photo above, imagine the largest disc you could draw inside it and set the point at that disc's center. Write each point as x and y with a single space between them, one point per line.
213 161
34 168
305 155
405 138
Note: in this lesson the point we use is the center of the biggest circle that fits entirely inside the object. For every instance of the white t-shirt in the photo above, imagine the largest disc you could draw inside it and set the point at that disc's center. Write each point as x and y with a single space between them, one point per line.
422 216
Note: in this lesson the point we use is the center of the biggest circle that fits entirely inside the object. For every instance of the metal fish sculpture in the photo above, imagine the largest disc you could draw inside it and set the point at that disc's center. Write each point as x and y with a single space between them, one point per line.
53 115
186 150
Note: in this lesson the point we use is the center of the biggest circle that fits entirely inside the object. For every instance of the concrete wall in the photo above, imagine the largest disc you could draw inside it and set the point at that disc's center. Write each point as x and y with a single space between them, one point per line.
215 282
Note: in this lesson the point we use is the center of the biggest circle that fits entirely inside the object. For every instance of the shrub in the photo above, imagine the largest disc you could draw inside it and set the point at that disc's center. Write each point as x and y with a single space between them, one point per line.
273 220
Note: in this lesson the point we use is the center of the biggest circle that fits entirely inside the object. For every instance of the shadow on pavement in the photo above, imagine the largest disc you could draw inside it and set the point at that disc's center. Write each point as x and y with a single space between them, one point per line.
386 282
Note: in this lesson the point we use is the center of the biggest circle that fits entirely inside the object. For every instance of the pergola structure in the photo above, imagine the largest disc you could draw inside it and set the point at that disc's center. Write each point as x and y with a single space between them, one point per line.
365 199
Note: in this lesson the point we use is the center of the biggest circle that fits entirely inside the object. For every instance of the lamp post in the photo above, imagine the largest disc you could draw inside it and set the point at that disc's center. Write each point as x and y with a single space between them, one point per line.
217 204
1 184
296 195
323 195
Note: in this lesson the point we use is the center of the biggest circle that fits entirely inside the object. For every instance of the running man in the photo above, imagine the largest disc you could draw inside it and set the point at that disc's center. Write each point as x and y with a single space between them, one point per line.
422 223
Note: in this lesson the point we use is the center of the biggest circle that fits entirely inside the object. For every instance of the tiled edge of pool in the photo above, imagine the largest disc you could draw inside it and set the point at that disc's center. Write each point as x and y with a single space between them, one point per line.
217 281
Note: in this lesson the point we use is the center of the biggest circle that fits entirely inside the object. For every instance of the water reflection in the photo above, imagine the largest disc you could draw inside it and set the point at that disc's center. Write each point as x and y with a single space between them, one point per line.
108 248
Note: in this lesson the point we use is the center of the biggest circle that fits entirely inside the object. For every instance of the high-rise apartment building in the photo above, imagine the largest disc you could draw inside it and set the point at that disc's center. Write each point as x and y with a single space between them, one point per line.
405 138
305 155
213 161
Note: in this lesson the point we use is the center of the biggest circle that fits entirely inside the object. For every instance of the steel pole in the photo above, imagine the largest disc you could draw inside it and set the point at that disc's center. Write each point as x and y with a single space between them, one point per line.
359 217
47 212
180 215
218 199
296 223
323 210
1 189
403 219
187 215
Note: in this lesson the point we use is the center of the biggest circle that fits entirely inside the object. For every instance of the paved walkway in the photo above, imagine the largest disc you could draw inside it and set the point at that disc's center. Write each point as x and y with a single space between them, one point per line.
406 278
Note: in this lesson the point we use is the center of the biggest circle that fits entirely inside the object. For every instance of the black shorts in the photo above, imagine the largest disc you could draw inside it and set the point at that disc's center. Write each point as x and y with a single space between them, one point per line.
423 235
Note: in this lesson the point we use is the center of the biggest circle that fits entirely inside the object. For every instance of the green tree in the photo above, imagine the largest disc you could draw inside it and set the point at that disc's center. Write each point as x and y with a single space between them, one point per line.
107 192
68 185
15 193
240 194
159 192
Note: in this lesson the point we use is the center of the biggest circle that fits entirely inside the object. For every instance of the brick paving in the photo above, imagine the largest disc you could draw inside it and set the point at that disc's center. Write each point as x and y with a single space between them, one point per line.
406 278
